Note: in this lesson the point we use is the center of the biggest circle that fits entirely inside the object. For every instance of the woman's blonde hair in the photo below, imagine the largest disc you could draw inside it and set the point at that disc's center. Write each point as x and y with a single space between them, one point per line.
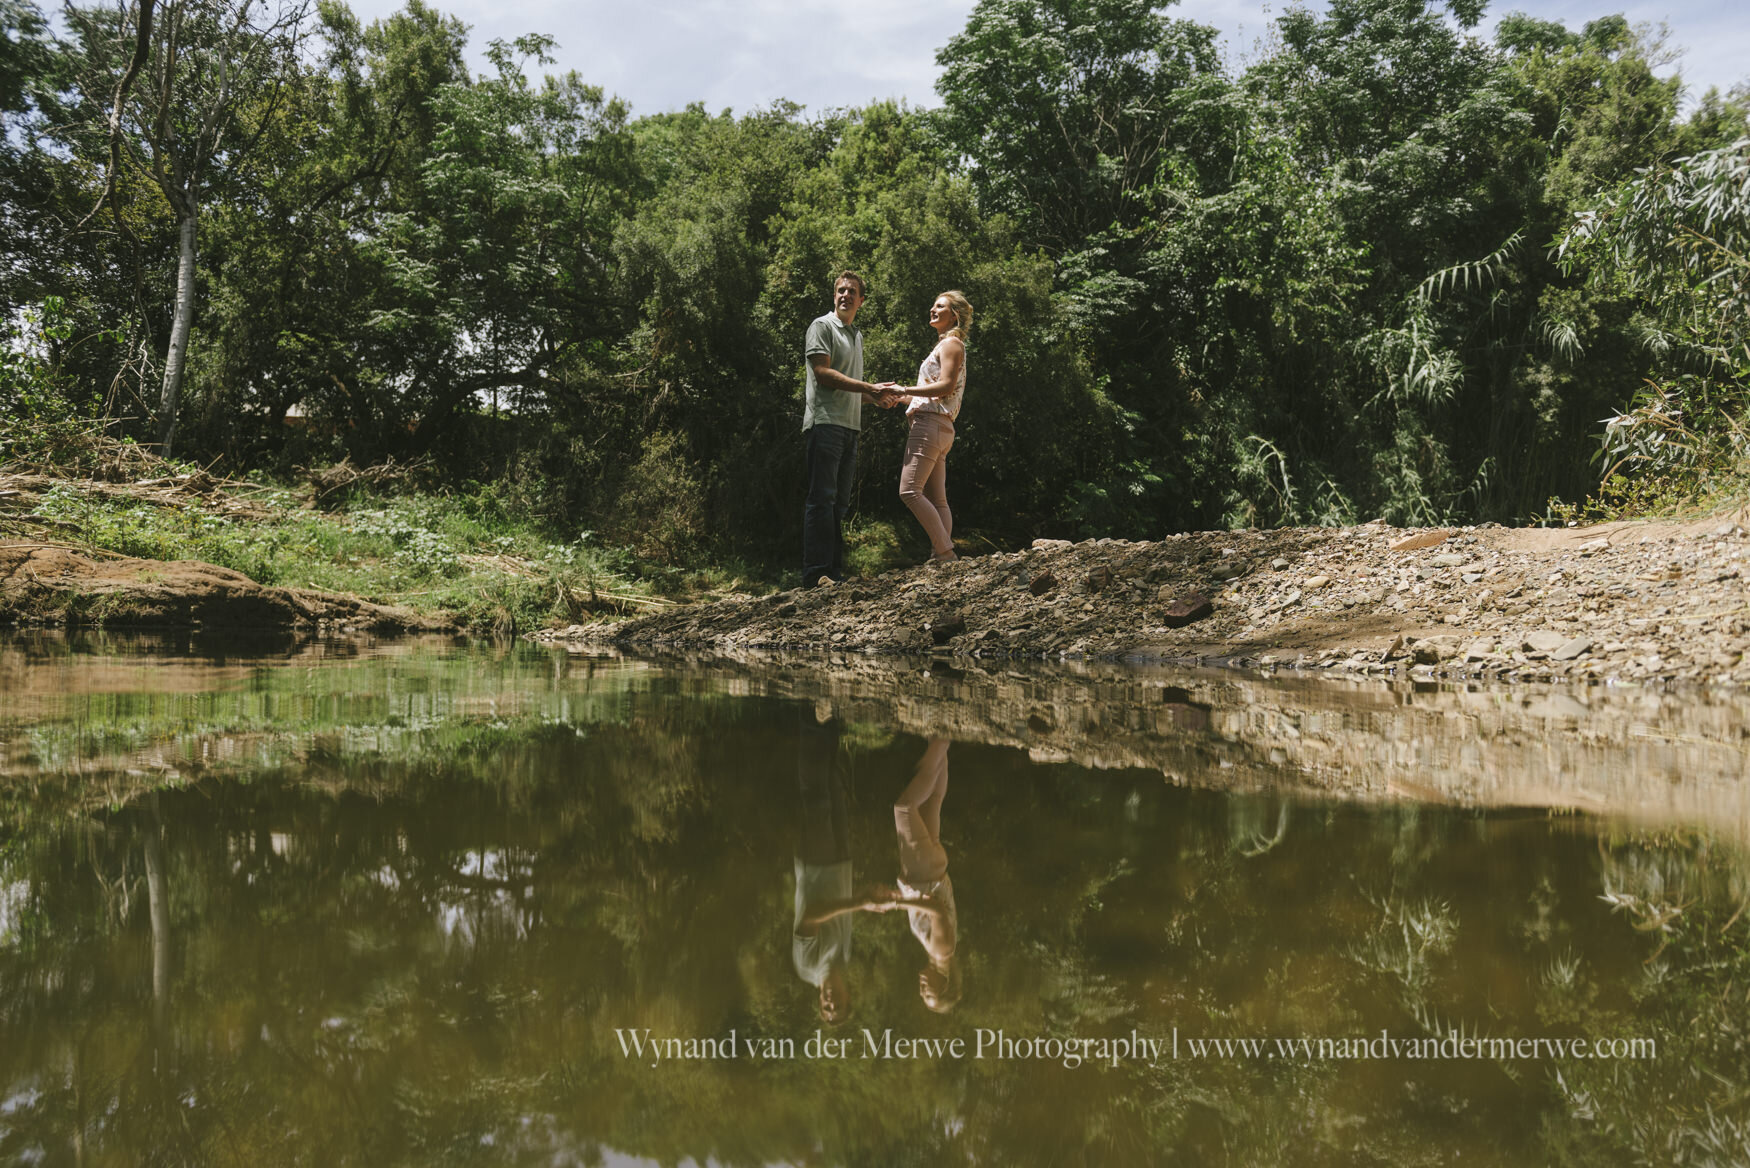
962 310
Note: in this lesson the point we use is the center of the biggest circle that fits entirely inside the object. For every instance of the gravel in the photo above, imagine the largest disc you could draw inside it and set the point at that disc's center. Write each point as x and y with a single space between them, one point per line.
1627 601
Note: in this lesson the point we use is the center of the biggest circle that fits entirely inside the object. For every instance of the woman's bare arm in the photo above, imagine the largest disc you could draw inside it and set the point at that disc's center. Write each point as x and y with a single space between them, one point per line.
953 359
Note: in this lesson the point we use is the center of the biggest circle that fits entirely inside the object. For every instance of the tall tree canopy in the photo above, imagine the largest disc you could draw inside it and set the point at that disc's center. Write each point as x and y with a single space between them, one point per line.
1317 288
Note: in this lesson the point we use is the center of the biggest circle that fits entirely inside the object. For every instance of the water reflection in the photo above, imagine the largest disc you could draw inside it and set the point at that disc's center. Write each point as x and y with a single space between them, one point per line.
826 903
924 888
406 907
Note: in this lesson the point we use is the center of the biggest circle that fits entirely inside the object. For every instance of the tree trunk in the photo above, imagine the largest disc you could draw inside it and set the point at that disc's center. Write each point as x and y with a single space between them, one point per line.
175 360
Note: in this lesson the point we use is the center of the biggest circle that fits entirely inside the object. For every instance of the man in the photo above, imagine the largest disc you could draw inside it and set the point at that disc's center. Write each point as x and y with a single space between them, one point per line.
832 419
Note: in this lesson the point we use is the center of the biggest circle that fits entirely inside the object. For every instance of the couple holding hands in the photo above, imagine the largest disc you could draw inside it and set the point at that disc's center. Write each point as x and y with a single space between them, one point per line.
827 899
832 420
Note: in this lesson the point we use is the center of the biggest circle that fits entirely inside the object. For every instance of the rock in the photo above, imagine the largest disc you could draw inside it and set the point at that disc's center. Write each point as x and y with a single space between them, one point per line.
944 629
1193 607
1051 544
1593 547
1501 605
1426 539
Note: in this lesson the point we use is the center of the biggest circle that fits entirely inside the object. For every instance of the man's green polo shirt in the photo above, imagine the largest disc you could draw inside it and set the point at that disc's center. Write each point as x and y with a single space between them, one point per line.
843 346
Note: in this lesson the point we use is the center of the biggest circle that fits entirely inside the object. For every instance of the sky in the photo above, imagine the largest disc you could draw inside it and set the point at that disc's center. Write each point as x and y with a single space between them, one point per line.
660 55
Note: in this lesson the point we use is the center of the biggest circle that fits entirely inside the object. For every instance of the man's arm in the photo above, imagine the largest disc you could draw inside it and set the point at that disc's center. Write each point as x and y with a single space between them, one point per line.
827 377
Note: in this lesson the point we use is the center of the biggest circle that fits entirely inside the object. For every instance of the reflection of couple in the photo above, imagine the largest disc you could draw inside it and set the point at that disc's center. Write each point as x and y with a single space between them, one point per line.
832 419
826 901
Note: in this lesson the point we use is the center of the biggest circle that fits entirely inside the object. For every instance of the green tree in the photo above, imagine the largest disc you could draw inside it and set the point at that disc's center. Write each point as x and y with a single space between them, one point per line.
1064 108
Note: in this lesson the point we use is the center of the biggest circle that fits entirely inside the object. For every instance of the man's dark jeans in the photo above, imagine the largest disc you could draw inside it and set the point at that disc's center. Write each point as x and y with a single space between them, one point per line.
832 470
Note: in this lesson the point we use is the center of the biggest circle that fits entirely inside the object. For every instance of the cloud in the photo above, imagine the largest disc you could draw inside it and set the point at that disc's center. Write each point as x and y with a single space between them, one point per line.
746 54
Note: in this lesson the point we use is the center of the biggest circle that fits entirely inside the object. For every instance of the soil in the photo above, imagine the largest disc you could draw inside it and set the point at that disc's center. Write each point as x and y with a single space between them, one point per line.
1642 601
50 583
1639 601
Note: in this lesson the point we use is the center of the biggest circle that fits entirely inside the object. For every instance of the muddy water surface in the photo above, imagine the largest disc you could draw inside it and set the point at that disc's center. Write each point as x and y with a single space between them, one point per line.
424 903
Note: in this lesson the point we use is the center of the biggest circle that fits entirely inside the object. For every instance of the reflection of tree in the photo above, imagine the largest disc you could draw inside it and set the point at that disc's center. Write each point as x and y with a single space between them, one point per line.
1683 899
1254 830
158 907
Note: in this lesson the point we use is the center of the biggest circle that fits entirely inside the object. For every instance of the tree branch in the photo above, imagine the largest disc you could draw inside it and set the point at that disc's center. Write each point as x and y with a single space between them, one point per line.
142 46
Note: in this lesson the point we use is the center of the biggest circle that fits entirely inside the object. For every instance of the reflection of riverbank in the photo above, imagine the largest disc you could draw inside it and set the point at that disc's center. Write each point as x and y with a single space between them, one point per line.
103 709
1651 755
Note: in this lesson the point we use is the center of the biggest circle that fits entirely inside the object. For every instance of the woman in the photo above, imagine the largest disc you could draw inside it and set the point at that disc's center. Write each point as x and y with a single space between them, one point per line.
935 403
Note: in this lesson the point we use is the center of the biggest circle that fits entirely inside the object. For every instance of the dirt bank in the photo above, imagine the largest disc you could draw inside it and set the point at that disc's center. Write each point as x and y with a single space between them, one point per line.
1627 601
49 583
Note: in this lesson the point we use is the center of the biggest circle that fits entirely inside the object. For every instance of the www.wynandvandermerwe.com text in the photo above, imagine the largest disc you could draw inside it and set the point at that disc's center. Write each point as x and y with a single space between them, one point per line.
1115 1051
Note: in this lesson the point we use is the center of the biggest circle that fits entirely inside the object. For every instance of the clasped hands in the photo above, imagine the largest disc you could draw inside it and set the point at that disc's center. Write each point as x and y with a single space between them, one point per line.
882 898
888 394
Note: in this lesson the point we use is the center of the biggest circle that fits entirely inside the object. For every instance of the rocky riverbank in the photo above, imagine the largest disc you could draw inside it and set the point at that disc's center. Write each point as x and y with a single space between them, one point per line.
1623 601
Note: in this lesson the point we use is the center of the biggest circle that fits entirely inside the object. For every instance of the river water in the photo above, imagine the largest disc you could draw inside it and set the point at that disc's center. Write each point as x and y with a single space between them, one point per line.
426 903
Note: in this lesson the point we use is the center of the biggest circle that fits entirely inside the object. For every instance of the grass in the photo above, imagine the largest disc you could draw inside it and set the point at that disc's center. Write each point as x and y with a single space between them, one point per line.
457 555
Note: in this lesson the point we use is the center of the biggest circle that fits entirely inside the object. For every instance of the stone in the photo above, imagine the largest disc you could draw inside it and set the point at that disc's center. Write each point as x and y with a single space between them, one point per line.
1050 544
1100 578
944 629
1472 577
1042 583
1425 539
1228 571
1318 582
1593 547
1543 641
1450 560
1479 650
1278 563
1569 650
1192 607
788 608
